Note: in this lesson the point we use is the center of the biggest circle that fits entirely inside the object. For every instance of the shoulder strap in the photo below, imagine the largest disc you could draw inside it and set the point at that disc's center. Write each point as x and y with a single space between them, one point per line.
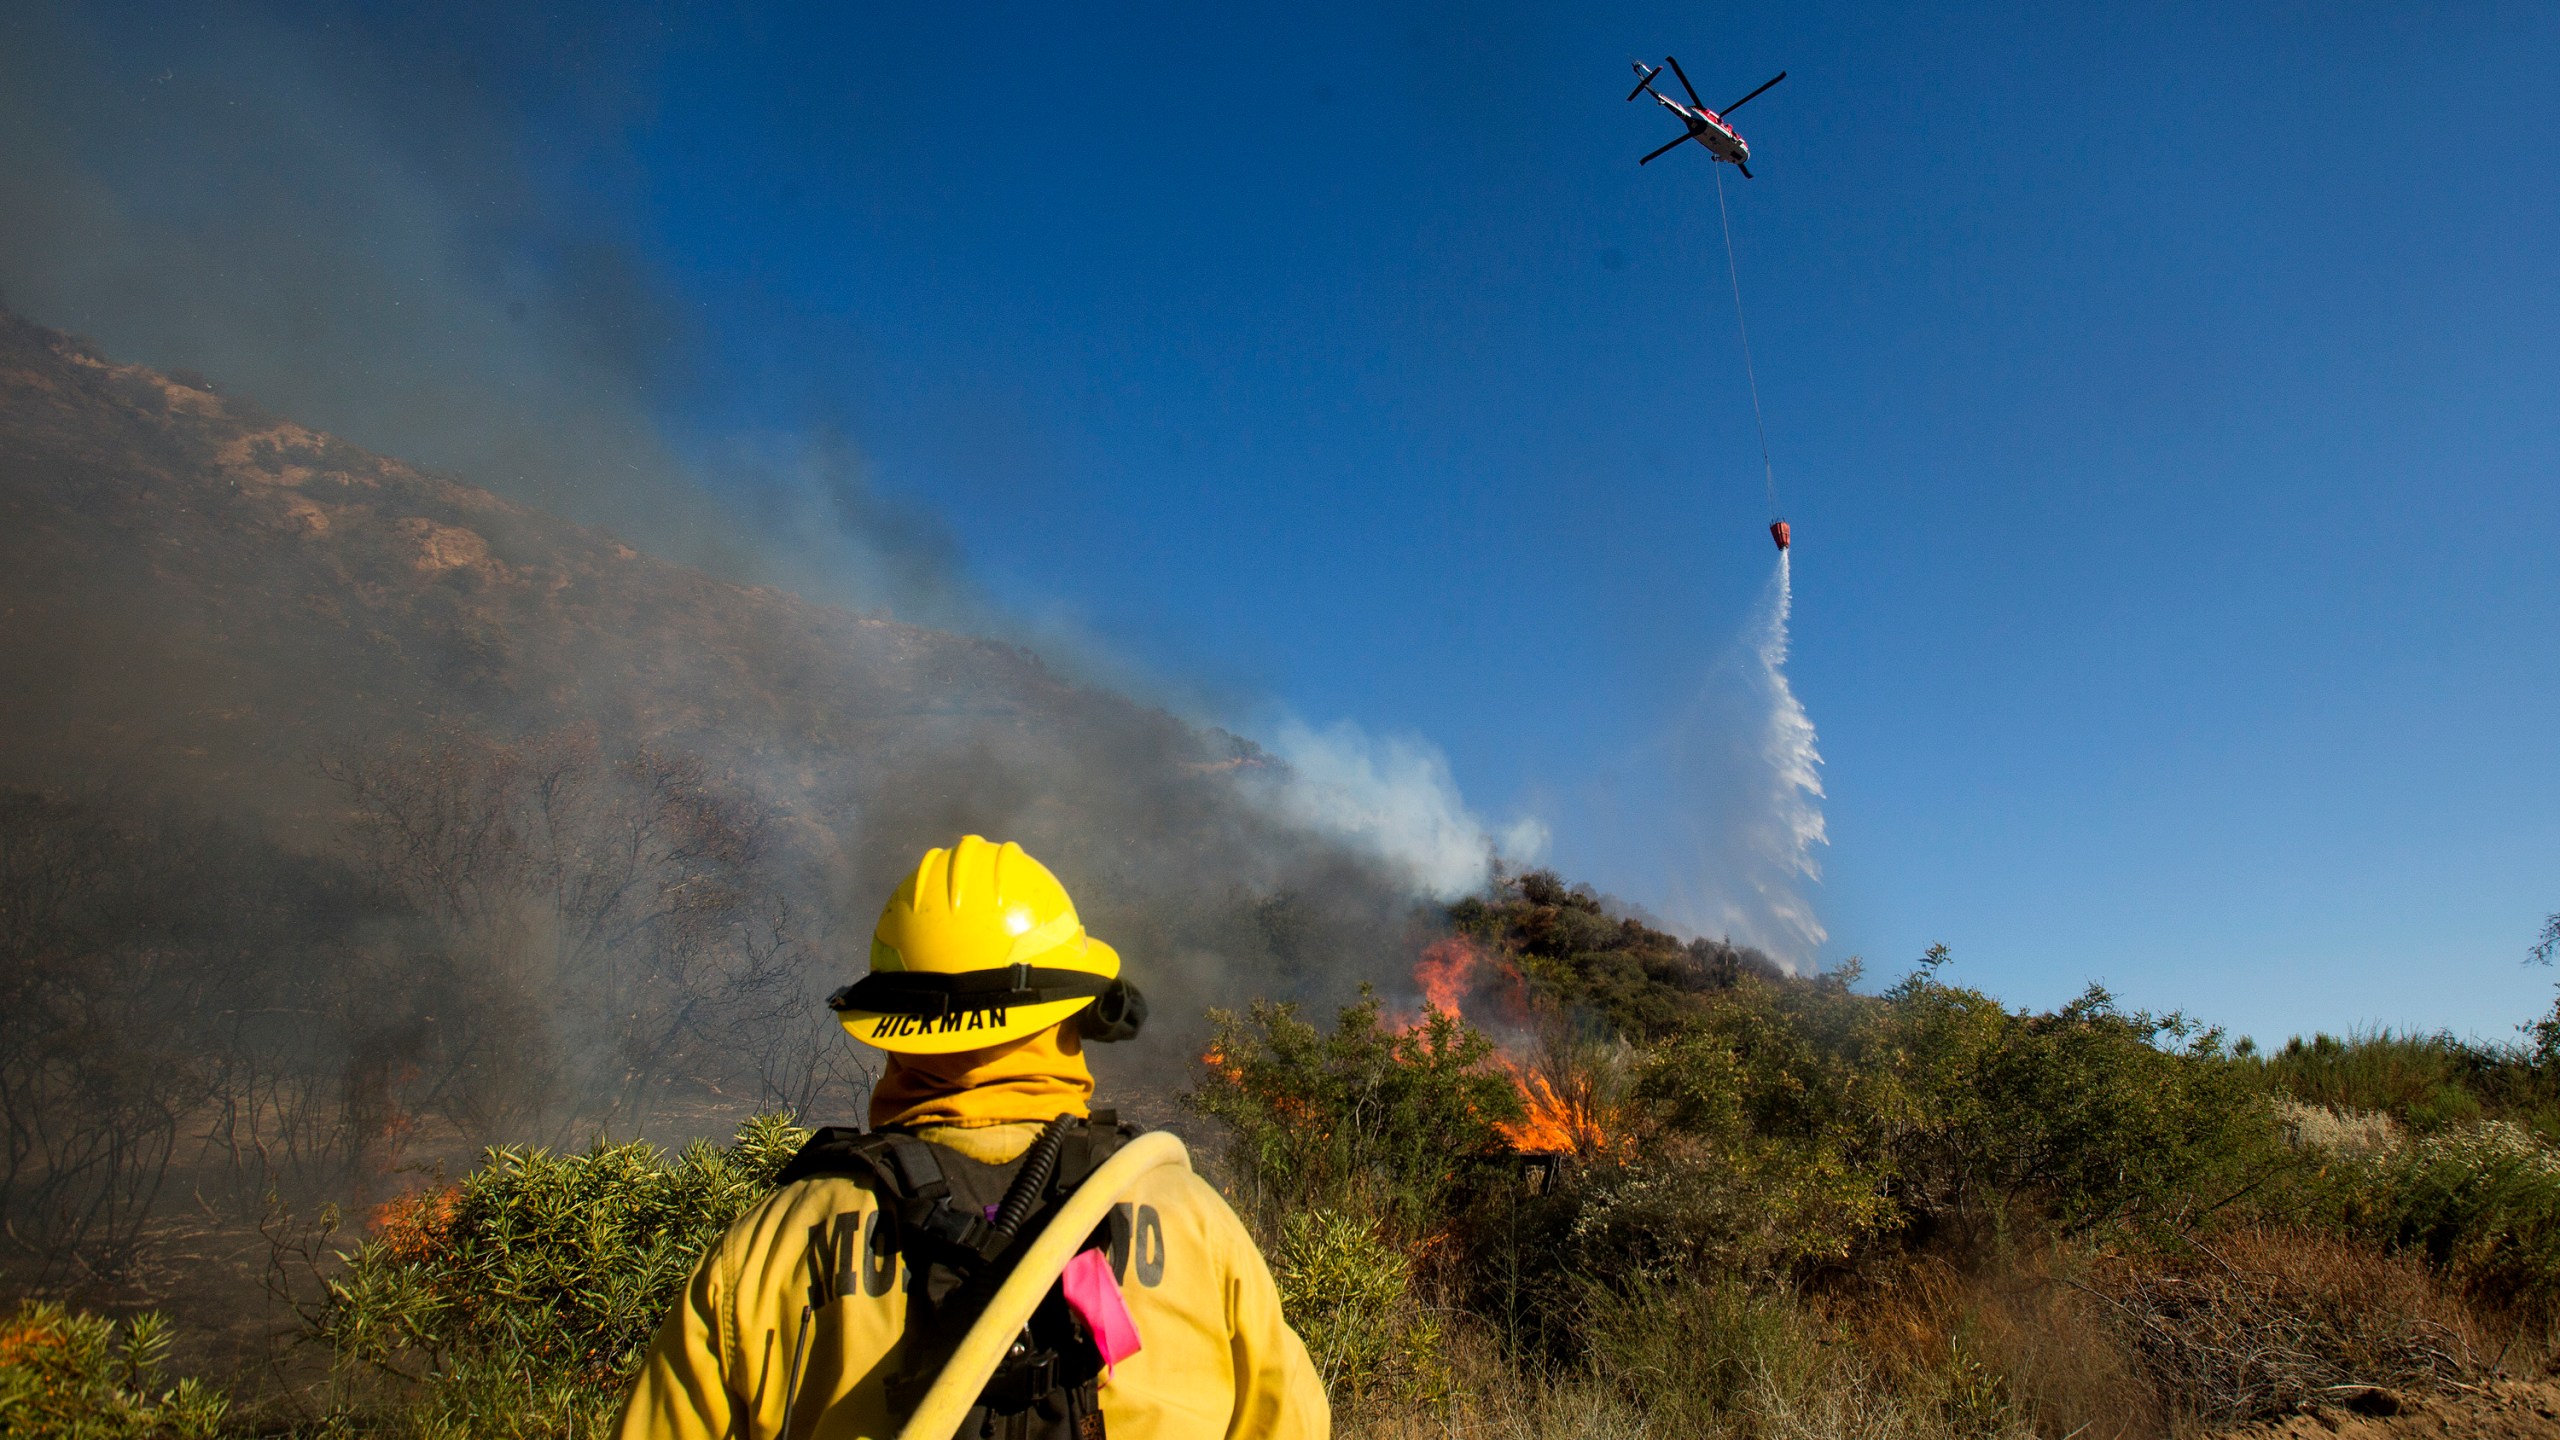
915 1195
1096 1140
836 1150
902 1171
1052 1370
901 1166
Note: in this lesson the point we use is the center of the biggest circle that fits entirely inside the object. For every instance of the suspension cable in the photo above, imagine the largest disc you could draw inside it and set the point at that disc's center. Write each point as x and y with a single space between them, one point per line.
1767 471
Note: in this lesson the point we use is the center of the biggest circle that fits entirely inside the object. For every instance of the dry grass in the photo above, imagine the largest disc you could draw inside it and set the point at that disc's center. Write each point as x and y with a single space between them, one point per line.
1771 1370
2264 1322
2342 1132
1495 1399
2014 1338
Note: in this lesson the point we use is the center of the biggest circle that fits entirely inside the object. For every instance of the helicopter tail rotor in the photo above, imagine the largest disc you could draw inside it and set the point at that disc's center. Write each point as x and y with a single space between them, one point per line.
1644 78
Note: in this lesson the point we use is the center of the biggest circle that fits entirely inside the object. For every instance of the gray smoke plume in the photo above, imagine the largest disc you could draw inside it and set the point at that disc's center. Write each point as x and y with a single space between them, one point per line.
332 215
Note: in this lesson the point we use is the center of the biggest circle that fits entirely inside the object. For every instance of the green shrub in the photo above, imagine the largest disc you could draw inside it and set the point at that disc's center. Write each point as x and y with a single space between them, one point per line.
541 1277
1761 1148
2091 1113
2482 1203
1715 1357
2426 1082
1689 1353
64 1373
1633 979
1796 1125
1350 1296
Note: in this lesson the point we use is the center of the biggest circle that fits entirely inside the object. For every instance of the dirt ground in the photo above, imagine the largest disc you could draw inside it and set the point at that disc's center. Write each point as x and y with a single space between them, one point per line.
2499 1410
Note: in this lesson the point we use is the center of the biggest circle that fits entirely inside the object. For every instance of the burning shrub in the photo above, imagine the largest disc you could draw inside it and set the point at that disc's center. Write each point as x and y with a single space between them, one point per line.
1367 1116
1742 1156
543 1273
63 1373
1796 1132
1560 1092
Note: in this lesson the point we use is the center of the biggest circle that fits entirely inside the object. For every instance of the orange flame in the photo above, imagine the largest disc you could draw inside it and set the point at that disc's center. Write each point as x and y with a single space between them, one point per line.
1443 972
415 1226
1554 1123
1454 968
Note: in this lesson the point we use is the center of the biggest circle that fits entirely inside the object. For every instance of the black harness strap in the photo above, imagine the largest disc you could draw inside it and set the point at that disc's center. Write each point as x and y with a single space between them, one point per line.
956 1261
915 1199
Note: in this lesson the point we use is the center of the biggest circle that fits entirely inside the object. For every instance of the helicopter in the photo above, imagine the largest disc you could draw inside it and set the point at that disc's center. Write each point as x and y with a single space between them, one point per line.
1705 126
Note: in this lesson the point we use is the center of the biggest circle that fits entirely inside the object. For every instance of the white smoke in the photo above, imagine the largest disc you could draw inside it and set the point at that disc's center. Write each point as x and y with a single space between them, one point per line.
1395 798
1747 766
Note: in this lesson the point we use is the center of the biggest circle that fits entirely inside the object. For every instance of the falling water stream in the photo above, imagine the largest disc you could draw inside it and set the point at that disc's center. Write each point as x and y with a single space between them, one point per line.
1793 824
1747 772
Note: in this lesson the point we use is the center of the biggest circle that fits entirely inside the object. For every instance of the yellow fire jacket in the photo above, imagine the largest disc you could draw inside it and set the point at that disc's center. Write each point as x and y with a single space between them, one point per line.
1217 1358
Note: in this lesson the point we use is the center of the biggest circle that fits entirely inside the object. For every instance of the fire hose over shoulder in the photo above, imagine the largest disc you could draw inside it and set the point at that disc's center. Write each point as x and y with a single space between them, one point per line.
974 1361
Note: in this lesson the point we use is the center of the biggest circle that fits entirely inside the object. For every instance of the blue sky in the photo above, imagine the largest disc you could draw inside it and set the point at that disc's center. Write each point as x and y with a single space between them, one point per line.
2166 398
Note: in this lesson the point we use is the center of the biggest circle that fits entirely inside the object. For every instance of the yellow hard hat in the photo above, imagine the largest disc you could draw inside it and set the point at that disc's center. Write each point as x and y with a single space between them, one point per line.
978 947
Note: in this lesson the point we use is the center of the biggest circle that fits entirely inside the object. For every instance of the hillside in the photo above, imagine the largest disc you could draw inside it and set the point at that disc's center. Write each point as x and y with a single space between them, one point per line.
200 599
286 589
354 817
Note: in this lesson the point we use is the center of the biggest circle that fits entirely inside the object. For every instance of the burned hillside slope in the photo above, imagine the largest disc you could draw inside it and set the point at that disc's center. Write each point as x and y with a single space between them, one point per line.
209 609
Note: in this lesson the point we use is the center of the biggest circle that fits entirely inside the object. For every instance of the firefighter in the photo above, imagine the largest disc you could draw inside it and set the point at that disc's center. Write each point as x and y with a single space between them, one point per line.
826 1310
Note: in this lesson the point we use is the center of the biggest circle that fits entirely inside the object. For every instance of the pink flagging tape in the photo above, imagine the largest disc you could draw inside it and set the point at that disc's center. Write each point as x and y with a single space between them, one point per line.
1095 1297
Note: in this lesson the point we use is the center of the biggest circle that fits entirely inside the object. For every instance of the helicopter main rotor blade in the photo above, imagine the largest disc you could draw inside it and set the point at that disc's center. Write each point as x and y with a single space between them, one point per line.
1684 82
1754 95
1665 150
1745 169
